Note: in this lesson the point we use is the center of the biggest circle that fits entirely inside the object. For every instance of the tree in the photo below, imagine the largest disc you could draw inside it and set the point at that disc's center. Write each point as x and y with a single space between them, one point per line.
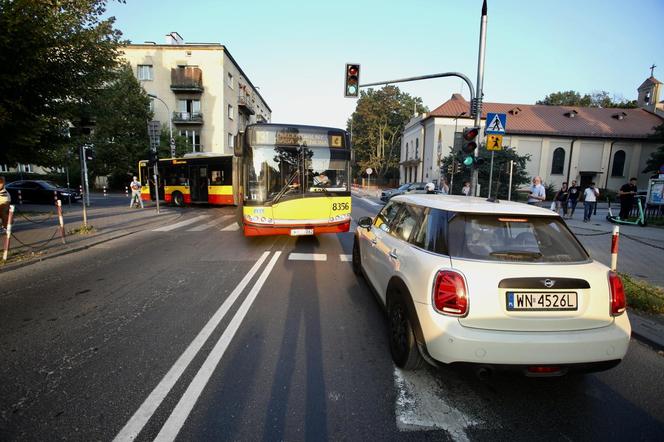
594 99
54 56
377 124
501 171
656 159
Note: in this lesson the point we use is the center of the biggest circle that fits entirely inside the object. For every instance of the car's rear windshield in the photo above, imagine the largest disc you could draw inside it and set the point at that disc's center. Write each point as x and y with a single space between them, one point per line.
513 238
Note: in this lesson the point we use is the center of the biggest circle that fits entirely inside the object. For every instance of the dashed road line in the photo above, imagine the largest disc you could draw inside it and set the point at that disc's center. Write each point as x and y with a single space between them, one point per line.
180 224
231 228
346 258
307 257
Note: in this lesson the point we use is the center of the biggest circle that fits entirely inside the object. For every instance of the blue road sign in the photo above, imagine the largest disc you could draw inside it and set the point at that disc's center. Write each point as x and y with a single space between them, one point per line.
495 124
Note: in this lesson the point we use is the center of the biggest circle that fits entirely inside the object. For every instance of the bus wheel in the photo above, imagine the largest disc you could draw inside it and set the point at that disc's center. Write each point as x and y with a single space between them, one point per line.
177 199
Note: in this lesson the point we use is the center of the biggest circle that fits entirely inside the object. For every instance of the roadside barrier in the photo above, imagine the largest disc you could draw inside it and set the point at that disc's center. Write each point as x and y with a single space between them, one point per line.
614 248
8 234
61 220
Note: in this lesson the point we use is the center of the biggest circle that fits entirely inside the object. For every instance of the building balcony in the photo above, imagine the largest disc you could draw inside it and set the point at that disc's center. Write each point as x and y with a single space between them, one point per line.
187 79
244 104
187 118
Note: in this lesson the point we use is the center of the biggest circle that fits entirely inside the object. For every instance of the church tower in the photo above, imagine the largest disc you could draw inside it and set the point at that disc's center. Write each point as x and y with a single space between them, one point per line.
649 93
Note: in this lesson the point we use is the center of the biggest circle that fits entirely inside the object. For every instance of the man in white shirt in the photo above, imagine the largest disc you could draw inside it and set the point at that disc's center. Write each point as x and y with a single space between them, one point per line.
537 192
589 200
135 193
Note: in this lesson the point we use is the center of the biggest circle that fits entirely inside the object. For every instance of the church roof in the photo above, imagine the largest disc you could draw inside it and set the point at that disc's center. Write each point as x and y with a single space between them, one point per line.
650 80
568 121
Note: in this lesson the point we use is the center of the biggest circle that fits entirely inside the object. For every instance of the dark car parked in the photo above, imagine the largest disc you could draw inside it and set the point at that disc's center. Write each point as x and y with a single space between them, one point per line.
403 189
40 191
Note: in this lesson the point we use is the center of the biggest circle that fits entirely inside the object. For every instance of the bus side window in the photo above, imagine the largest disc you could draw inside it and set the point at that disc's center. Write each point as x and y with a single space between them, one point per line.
217 177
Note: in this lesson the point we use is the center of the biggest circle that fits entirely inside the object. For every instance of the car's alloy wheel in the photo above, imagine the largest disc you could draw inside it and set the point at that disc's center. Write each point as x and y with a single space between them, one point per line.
402 339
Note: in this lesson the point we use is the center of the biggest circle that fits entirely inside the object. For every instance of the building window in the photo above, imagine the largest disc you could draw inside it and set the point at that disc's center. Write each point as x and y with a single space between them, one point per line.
231 140
406 151
193 138
417 148
189 109
458 141
440 143
152 106
558 163
618 167
230 111
145 72
25 168
229 80
4 168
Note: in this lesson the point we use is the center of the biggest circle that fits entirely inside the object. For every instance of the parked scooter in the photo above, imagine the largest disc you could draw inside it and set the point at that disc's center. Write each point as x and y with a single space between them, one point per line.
640 220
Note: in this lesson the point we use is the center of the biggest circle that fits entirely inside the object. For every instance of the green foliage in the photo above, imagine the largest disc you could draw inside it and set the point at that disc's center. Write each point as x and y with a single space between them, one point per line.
54 56
657 157
377 124
182 144
501 172
643 296
593 99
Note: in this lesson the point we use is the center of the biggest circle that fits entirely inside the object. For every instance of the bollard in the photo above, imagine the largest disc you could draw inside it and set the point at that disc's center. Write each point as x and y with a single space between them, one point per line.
8 236
104 191
614 248
20 198
61 220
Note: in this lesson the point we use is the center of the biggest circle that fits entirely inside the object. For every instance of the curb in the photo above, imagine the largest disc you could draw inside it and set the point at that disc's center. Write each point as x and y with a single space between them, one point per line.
647 331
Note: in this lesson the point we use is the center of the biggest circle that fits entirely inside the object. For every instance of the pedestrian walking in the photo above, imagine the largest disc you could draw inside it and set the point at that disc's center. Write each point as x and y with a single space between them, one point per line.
561 200
537 192
135 193
5 201
589 199
573 199
627 193
466 188
444 187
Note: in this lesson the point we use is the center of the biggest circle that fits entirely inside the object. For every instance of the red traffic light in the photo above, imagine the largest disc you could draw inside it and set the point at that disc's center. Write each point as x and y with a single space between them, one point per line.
352 81
470 133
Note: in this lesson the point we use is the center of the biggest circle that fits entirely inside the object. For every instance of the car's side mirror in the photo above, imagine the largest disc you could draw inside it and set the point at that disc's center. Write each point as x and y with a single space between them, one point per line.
365 222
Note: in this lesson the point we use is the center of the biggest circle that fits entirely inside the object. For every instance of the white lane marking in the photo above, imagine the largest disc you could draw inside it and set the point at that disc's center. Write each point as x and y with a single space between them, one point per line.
231 228
210 224
177 418
307 257
420 406
346 258
148 407
180 224
370 202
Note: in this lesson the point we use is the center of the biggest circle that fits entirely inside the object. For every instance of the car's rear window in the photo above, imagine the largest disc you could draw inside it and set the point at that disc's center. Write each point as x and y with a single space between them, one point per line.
513 238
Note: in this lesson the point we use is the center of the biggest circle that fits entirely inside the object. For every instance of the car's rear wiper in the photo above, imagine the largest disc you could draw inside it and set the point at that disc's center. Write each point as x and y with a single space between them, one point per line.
519 253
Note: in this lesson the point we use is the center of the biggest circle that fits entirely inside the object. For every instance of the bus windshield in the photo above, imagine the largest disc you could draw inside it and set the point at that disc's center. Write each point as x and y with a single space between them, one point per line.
275 172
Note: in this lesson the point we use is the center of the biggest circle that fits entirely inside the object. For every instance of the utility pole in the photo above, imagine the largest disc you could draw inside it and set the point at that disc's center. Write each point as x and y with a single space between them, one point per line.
480 91
84 180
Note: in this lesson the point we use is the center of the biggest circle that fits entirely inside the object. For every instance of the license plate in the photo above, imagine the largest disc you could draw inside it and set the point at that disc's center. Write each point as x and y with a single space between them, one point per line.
528 301
298 232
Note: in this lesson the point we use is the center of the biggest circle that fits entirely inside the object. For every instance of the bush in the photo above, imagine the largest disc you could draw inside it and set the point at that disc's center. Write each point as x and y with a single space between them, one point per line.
643 296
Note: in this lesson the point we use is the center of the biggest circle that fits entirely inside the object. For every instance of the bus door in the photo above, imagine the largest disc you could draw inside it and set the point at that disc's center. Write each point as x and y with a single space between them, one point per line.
199 184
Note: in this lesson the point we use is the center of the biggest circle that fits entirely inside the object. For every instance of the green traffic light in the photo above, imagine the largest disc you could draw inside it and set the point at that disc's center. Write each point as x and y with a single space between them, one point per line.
468 161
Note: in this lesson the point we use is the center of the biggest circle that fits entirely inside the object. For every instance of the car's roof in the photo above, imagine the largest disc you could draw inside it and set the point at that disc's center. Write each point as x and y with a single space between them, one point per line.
469 204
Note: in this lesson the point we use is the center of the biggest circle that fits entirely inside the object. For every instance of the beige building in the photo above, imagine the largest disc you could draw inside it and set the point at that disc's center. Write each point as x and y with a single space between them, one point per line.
607 146
210 99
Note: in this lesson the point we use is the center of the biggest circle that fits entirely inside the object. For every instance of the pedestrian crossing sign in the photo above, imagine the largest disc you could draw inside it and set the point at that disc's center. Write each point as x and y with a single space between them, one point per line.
494 142
495 124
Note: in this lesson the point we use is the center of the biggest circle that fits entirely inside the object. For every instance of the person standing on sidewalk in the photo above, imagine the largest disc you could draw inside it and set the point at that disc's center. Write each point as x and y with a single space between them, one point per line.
627 193
589 199
561 199
574 192
5 201
135 193
466 188
537 192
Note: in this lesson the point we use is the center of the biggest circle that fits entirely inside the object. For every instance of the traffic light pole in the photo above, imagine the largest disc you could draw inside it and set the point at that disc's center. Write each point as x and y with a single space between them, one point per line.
156 186
480 93
84 180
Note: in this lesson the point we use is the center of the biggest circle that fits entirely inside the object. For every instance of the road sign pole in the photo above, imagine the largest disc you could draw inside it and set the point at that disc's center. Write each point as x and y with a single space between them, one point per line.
480 90
509 189
491 174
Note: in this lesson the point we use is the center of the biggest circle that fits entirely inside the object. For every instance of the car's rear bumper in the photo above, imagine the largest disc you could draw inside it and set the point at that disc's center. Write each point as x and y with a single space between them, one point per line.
448 341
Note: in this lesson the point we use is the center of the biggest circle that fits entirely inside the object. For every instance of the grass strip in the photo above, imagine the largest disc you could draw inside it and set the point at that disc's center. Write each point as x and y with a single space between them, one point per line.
643 296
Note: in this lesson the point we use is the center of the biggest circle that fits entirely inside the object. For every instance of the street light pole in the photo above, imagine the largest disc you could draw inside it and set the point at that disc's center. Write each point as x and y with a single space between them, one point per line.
480 89
170 124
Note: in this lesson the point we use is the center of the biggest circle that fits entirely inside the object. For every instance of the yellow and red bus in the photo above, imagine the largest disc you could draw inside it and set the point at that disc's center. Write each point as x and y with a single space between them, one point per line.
195 178
294 180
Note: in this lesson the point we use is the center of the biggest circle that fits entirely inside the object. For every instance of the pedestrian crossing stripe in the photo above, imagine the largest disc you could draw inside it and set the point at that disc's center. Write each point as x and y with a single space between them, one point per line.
231 228
180 224
210 224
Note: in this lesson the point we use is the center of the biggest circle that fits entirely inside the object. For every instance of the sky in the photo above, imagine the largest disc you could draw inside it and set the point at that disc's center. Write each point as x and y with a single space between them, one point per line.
295 51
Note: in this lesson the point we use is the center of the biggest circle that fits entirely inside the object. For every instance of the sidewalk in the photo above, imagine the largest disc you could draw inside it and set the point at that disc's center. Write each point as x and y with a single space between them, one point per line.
36 236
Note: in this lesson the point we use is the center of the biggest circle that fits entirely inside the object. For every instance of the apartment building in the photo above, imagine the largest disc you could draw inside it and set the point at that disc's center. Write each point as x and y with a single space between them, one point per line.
201 89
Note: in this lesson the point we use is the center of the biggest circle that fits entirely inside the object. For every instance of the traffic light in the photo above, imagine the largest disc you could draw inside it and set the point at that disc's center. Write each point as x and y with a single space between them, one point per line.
89 153
450 169
469 145
352 84
152 160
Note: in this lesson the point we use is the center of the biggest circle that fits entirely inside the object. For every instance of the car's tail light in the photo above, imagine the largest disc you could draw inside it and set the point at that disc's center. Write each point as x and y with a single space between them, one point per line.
449 293
543 369
618 300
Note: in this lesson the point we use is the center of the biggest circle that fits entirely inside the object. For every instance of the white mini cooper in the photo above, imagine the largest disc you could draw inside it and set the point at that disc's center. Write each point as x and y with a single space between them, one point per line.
500 285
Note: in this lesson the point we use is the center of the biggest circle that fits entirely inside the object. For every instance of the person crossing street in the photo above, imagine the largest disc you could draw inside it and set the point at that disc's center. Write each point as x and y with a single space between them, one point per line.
135 193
